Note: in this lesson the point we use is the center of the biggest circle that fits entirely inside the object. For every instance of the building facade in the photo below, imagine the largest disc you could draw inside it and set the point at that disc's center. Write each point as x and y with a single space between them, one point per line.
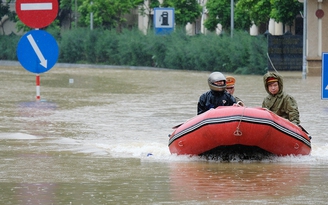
317 38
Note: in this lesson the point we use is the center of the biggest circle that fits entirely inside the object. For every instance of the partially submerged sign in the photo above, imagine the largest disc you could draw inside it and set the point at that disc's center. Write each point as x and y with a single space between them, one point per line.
324 77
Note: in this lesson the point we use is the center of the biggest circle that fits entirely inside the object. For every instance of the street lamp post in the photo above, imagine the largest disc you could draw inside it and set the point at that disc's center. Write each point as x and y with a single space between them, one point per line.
91 17
75 9
232 18
304 38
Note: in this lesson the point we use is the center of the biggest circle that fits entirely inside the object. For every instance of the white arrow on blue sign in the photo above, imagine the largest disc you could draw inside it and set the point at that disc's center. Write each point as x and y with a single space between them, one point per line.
324 77
37 51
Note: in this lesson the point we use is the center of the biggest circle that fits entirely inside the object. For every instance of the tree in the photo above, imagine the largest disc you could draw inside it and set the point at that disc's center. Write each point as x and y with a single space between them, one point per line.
146 10
185 11
247 11
107 13
242 20
68 10
218 13
4 11
285 11
257 10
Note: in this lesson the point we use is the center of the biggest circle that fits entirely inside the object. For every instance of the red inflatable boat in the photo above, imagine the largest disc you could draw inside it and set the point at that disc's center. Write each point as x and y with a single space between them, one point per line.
246 131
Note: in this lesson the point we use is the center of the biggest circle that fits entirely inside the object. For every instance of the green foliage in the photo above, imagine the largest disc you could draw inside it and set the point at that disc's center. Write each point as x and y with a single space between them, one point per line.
218 11
132 48
179 55
242 20
285 11
106 47
258 11
238 51
4 8
5 11
8 44
211 23
256 48
147 10
72 45
106 13
241 54
53 28
186 11
247 11
158 45
103 14
257 58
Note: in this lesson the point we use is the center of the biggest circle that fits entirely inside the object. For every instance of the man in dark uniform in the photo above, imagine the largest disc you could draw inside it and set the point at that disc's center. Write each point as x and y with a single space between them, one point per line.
216 96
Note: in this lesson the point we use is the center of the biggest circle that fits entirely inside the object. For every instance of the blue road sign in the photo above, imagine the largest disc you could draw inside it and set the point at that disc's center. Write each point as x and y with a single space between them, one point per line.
163 20
37 51
324 77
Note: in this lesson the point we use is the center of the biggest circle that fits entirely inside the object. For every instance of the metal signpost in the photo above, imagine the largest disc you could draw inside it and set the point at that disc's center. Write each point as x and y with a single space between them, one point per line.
163 20
324 77
37 50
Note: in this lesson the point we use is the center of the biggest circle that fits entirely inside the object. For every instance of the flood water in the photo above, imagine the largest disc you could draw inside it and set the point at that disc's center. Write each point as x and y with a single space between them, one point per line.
100 136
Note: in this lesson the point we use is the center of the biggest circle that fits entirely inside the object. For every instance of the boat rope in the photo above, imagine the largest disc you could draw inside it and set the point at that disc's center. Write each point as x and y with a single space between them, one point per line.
271 63
238 132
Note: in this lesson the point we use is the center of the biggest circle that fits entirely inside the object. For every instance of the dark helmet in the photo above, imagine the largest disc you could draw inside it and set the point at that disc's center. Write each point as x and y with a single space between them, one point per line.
214 77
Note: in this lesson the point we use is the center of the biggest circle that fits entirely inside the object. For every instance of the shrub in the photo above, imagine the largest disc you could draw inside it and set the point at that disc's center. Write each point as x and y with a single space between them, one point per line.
106 48
72 46
8 45
242 54
132 49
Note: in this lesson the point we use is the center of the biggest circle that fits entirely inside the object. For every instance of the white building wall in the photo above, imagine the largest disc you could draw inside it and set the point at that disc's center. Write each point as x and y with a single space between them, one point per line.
271 26
254 30
278 29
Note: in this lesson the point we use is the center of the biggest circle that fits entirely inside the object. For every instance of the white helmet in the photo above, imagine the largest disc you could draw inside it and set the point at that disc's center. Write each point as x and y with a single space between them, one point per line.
214 77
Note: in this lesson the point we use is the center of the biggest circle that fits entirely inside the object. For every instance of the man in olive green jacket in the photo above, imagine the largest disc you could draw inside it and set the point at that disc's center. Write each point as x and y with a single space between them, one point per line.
278 101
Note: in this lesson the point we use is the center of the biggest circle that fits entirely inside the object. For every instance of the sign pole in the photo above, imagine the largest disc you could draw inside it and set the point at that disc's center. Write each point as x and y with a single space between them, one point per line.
304 68
324 77
37 50
37 80
37 83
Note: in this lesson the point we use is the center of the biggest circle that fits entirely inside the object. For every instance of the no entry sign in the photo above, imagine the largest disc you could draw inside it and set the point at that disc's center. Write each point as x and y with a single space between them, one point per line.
37 13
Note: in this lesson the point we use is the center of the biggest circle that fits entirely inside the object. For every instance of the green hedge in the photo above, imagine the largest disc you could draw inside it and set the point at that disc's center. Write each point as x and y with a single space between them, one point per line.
8 45
243 54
